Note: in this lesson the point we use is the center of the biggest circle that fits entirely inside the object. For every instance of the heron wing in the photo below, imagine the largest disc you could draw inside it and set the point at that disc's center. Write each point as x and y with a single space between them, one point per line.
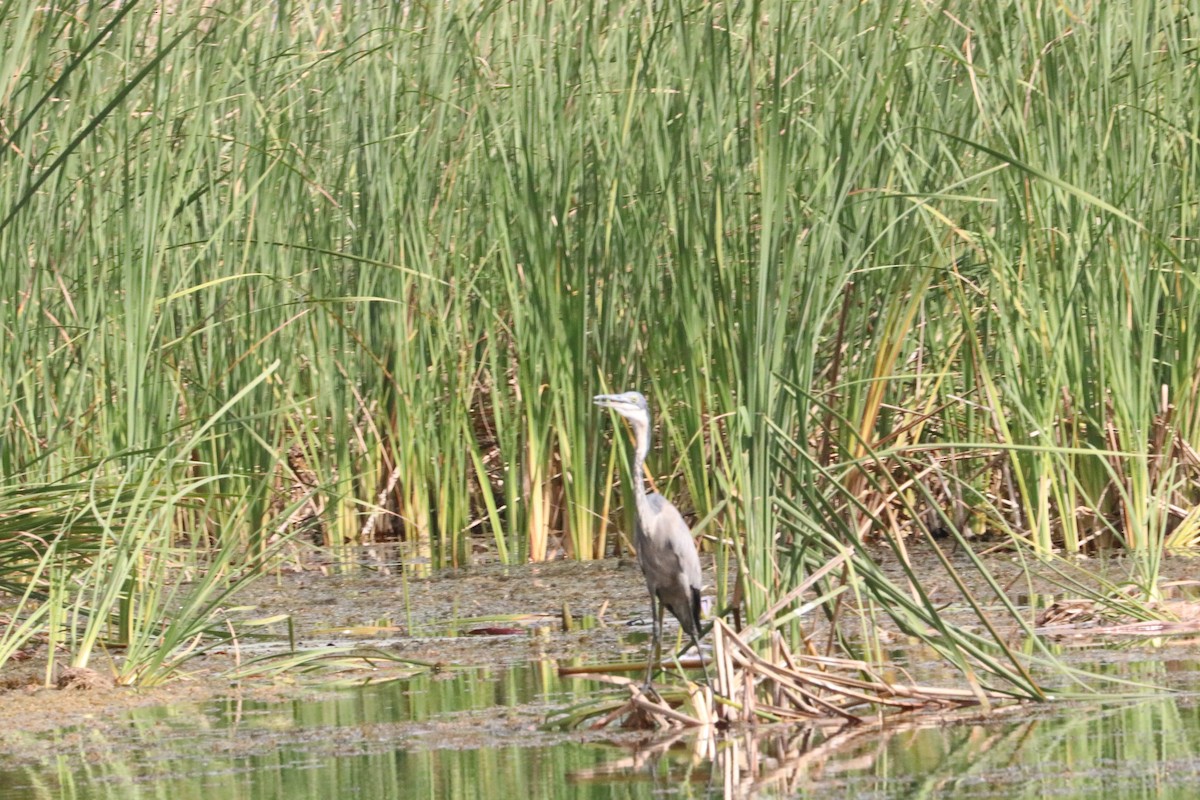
670 562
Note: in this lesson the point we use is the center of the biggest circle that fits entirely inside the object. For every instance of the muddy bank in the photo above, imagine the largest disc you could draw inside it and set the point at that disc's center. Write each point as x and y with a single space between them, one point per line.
564 612
489 614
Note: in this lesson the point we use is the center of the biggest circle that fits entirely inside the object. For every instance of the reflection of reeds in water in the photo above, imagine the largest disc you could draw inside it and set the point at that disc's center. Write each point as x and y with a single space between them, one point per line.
448 230
1104 749
779 760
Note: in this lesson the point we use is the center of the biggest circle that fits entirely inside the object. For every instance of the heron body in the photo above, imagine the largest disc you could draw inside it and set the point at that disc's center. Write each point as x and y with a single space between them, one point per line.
672 569
666 551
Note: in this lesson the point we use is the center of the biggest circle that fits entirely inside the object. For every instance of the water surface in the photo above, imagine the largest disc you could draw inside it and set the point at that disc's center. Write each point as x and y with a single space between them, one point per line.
478 733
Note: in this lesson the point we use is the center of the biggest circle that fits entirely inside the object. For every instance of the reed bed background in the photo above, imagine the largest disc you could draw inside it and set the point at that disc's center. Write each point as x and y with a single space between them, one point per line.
884 269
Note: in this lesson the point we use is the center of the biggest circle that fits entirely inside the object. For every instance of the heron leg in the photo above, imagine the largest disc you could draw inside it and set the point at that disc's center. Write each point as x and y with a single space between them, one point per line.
656 616
703 663
694 641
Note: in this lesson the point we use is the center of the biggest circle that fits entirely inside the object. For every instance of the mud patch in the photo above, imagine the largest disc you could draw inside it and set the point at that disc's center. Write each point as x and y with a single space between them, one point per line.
429 619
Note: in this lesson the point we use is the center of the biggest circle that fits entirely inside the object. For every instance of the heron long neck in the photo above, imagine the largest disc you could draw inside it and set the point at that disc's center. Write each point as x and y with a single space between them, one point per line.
642 435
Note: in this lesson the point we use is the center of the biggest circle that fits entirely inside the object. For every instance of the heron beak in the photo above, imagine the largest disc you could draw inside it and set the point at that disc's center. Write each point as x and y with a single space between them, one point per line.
603 400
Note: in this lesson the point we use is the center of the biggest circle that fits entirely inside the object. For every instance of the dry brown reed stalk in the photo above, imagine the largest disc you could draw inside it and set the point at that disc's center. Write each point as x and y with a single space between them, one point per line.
1088 618
750 688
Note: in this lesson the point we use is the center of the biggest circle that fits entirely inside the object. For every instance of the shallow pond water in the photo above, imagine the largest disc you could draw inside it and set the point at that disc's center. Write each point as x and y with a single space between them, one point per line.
474 727
478 733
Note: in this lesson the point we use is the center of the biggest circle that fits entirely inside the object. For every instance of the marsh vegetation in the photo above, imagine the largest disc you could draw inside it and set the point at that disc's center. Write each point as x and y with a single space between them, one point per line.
887 271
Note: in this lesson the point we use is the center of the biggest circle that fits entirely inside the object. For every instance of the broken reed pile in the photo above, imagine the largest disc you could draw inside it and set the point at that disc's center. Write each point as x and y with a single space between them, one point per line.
780 687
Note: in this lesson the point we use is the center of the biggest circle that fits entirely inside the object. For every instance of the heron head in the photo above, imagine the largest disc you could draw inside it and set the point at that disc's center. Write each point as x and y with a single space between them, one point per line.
630 405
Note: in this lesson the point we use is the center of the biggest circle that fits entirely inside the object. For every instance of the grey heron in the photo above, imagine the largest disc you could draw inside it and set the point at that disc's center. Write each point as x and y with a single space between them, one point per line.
665 548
